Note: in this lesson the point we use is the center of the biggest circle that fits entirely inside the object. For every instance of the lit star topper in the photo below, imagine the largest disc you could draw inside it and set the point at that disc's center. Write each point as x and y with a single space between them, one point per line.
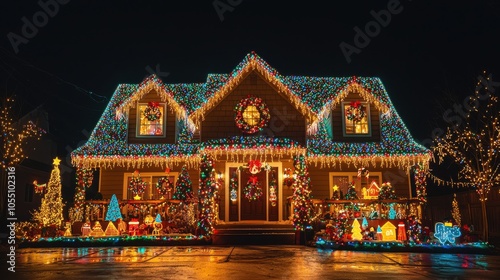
57 161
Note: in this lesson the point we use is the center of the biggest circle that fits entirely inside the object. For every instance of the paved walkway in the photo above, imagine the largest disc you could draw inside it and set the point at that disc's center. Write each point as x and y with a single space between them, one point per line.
245 262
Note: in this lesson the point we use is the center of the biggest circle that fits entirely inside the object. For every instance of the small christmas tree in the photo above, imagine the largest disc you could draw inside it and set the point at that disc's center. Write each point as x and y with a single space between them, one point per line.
351 192
455 213
356 230
387 192
113 213
336 193
184 187
301 199
51 209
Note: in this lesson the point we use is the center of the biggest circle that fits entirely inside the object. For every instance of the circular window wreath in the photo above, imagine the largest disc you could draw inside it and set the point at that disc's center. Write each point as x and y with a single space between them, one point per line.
152 111
356 112
251 115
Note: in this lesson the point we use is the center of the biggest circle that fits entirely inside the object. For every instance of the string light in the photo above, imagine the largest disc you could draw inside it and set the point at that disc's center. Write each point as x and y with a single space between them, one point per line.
313 97
474 146
14 136
51 209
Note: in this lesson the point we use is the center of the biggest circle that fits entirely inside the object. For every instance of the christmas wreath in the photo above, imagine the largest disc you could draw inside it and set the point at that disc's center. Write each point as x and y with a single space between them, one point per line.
152 111
137 185
260 110
164 185
252 190
356 111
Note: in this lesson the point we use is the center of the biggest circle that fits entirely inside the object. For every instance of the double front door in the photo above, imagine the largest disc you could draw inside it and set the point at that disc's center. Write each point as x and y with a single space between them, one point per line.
255 192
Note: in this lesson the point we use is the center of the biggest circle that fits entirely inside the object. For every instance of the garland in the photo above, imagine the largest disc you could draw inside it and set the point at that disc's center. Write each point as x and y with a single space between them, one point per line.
356 111
252 190
164 185
152 112
233 186
263 114
272 189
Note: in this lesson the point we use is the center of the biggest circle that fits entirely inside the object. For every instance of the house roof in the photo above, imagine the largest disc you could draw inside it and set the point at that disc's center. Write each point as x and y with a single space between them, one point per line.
314 97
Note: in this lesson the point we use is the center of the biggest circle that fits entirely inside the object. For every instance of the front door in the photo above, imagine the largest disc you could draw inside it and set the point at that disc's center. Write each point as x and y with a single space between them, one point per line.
253 209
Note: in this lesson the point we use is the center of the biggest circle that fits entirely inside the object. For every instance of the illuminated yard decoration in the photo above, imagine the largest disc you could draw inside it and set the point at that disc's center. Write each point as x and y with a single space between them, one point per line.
51 209
446 232
388 232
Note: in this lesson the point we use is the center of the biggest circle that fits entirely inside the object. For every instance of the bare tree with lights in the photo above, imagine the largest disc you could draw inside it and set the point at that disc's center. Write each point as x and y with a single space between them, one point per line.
15 137
474 146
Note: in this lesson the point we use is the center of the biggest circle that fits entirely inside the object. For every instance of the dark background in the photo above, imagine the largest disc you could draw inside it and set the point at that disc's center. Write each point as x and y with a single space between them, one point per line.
428 56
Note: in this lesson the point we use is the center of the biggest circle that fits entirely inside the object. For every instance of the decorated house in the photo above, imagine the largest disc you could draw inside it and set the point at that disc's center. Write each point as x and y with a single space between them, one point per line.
257 146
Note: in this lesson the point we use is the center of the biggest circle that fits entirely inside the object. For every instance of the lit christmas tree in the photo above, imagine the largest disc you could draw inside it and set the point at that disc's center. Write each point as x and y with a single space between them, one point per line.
301 199
84 178
455 213
336 193
356 230
113 213
183 187
205 195
351 192
386 192
51 209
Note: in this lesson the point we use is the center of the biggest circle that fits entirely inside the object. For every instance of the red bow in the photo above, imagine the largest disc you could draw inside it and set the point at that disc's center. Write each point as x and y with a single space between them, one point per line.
253 180
153 104
355 104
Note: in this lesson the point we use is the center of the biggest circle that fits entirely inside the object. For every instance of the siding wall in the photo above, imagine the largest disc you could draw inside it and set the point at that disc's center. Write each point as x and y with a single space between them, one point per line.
285 121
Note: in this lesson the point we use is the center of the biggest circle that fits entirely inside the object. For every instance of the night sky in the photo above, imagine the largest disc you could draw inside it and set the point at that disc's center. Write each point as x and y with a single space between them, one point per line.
428 55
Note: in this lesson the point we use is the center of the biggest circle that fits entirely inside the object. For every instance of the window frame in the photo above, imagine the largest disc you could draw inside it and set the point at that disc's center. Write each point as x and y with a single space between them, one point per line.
368 119
151 187
138 121
352 176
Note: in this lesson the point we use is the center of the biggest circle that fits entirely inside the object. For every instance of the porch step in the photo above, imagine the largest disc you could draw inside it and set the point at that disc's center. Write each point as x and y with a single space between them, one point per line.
239 235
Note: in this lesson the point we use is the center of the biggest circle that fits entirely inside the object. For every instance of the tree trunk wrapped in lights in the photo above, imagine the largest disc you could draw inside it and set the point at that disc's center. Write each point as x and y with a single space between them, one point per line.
14 138
206 193
473 145
301 195
84 178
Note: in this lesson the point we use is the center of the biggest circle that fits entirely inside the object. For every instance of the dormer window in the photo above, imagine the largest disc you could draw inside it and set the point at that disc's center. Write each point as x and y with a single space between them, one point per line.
356 118
151 119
